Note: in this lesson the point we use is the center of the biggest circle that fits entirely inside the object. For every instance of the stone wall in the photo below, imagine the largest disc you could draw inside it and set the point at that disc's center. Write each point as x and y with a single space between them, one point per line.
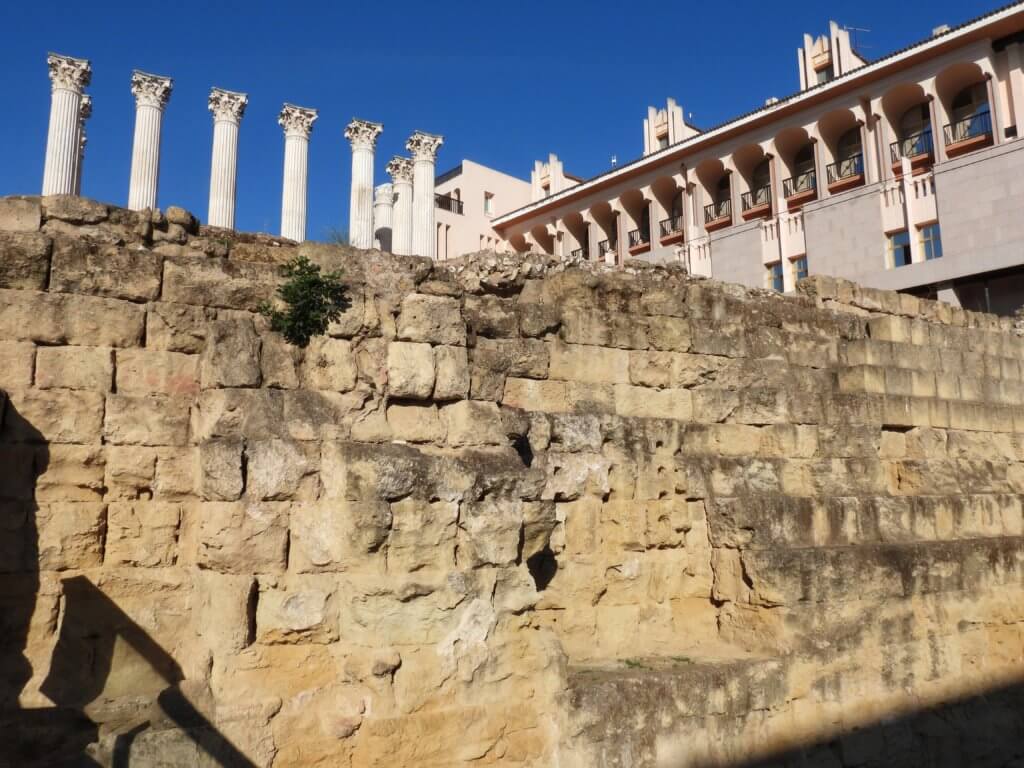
507 512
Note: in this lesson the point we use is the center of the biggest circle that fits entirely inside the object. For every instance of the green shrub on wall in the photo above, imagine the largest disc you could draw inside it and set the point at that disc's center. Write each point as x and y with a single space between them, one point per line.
312 301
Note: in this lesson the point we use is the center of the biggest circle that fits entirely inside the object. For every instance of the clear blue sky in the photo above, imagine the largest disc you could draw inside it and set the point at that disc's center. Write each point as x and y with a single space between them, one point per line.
567 76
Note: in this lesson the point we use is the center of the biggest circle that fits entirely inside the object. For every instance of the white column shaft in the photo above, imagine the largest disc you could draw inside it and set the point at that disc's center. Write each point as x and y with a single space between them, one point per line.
423 235
383 216
62 143
401 219
223 174
293 200
360 212
145 158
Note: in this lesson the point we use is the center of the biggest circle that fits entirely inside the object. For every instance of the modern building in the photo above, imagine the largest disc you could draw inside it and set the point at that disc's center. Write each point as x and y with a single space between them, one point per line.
904 173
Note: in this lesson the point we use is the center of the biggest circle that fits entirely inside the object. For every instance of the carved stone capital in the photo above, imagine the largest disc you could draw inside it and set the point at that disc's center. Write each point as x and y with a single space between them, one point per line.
85 109
68 73
297 121
383 193
363 134
151 90
227 105
400 169
424 146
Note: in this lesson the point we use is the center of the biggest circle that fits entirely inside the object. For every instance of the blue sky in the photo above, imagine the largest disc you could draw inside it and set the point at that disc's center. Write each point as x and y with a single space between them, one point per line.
567 76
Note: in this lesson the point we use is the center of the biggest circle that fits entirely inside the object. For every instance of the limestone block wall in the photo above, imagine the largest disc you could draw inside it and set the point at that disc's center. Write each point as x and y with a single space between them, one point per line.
509 511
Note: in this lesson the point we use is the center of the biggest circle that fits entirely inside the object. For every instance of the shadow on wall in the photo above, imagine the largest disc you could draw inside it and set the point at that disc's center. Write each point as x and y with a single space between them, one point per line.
90 624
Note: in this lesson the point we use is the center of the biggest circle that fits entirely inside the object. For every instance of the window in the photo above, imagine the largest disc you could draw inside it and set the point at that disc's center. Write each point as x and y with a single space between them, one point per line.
931 241
488 204
823 75
899 248
546 189
800 268
775 277
662 142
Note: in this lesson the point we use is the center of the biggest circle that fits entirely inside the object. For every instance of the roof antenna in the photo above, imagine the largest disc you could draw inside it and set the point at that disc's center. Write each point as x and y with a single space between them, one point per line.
855 30
615 160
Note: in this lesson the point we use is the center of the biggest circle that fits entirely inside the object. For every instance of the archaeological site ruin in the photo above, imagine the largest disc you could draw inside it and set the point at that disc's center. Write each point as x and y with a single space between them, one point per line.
509 510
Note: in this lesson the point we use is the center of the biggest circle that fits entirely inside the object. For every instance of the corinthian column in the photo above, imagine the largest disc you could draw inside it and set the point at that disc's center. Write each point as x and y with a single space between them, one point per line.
151 94
298 124
227 108
383 200
400 170
68 77
363 135
423 147
84 113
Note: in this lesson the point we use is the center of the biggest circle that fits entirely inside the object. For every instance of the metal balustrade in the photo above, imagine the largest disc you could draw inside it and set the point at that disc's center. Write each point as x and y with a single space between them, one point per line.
638 237
802 182
671 226
845 169
971 127
756 197
914 145
446 203
720 210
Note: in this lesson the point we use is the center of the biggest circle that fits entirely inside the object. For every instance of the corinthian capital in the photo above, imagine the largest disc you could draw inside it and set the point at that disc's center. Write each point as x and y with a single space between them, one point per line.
85 109
227 105
424 146
297 121
399 169
363 134
151 90
68 73
383 193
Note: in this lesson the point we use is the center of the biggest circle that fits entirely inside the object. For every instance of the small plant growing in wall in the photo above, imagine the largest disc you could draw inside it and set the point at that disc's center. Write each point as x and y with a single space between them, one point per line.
312 301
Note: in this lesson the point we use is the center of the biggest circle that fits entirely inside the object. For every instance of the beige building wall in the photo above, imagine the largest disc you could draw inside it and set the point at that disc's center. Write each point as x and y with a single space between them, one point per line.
468 197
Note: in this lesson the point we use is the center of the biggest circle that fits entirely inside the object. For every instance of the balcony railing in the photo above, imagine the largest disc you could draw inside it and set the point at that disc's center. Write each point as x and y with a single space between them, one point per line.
845 169
971 127
755 198
671 226
802 182
606 245
638 237
715 211
580 253
912 146
446 203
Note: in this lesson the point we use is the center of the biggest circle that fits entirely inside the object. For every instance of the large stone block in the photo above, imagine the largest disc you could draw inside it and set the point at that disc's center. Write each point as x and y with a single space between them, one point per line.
276 469
24 259
532 395
410 369
452 376
490 532
54 416
433 319
67 319
147 419
70 535
301 610
231 355
144 371
177 327
75 368
243 537
472 422
329 365
594 365
337 534
219 283
422 535
142 534
74 209
130 273
415 423
220 470
69 473
256 414
20 214
17 360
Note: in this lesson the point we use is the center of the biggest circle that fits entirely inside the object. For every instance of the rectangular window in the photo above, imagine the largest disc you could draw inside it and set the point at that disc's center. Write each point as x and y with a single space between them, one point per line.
899 248
931 241
662 142
775 277
800 268
488 204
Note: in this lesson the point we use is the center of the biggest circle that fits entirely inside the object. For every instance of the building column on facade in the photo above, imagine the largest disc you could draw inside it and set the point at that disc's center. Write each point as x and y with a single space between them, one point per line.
151 95
298 124
909 210
937 115
228 108
68 76
1015 67
821 162
423 147
621 226
383 209
993 109
362 134
592 234
400 170
867 145
84 113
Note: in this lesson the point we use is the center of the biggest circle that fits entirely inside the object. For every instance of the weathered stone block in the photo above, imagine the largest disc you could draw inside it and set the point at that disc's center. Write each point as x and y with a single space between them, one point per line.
24 259
256 414
130 471
231 355
472 422
596 365
142 534
243 537
147 419
669 333
452 375
177 327
144 371
177 473
70 535
74 209
74 368
20 214
597 327
422 535
66 319
278 361
489 532
653 404
415 423
329 365
220 470
410 369
532 395
17 360
219 283
492 316
434 319
301 610
104 270
336 534
54 416
275 469
70 473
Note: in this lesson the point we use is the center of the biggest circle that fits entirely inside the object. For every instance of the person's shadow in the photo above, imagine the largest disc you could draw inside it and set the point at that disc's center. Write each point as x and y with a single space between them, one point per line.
89 625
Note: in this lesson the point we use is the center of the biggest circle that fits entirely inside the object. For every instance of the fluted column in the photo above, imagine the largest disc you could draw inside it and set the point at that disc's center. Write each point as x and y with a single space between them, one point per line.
84 113
400 170
363 136
383 202
227 108
151 94
68 77
423 147
298 124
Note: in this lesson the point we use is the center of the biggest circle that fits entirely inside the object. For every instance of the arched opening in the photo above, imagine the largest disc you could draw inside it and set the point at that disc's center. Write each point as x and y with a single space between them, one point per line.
970 124
717 184
638 213
908 111
670 200
797 153
579 248
755 172
848 169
